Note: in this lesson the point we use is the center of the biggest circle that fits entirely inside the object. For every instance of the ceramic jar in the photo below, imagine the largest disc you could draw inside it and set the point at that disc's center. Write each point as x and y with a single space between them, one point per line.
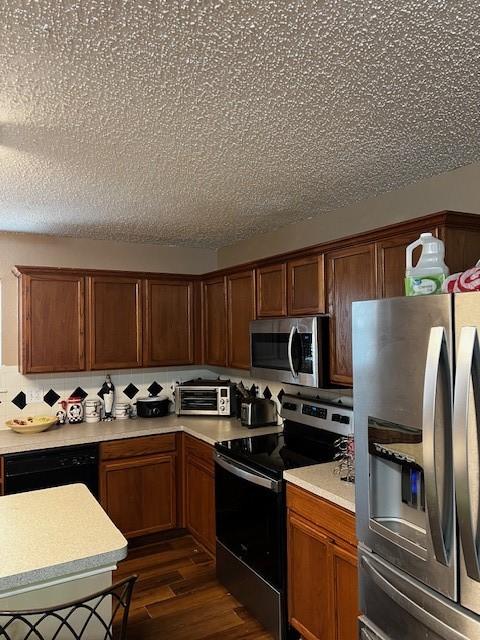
61 412
122 410
72 410
93 410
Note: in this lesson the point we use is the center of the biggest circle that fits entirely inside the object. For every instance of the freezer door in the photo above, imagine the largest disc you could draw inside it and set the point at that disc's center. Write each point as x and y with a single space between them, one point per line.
402 358
368 631
397 607
466 448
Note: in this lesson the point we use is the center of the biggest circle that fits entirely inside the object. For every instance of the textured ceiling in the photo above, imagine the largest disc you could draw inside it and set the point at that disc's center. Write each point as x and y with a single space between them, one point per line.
200 122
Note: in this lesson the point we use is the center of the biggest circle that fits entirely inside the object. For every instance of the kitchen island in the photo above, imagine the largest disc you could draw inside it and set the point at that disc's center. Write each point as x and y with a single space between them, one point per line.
56 545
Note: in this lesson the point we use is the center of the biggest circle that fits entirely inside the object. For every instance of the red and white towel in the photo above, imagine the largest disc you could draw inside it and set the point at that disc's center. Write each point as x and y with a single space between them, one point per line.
468 280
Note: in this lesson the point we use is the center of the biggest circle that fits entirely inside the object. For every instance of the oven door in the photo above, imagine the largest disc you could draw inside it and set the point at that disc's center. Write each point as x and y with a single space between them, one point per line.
197 400
286 350
249 517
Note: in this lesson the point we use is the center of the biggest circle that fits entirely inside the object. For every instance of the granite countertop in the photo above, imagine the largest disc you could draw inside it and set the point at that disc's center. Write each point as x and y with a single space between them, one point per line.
210 429
320 480
44 536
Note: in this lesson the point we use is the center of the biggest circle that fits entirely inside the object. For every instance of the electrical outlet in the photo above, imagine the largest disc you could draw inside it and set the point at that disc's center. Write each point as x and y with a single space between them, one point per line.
34 395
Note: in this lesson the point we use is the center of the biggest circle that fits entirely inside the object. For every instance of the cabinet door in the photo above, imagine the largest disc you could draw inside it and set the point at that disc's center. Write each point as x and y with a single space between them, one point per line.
168 326
241 309
309 584
200 511
114 322
139 493
272 291
200 491
306 286
351 276
391 263
215 321
345 585
52 322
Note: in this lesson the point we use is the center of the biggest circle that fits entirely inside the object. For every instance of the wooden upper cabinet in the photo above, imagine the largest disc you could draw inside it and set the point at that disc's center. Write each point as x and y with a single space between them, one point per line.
241 310
391 255
351 277
52 322
114 322
215 321
272 290
168 323
306 286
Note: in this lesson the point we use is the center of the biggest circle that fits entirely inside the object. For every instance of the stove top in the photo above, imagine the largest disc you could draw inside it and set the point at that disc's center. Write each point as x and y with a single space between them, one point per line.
274 453
306 440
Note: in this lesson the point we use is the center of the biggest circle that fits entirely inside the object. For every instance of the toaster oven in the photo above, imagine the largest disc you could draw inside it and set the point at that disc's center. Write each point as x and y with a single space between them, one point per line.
204 399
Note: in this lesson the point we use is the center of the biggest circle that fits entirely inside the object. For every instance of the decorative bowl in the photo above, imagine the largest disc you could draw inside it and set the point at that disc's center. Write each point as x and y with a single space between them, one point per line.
31 424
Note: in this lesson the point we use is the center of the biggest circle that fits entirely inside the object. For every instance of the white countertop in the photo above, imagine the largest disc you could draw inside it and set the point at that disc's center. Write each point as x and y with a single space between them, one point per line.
320 480
210 429
54 533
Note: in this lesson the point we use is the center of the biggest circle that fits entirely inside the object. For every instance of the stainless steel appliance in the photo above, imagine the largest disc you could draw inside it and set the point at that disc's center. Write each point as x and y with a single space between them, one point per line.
417 412
250 503
291 350
258 412
52 468
204 397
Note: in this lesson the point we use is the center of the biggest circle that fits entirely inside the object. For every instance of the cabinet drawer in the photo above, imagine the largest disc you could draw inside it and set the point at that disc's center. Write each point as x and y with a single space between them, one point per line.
332 519
132 447
202 451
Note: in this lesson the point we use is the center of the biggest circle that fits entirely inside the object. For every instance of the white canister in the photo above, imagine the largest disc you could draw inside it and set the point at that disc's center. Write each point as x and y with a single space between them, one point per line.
122 410
93 410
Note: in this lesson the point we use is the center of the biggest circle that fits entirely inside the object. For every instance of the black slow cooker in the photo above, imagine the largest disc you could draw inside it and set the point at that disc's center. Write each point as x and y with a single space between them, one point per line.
152 407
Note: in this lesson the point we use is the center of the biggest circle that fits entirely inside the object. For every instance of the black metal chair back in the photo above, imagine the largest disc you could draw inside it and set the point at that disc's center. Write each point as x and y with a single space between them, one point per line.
73 620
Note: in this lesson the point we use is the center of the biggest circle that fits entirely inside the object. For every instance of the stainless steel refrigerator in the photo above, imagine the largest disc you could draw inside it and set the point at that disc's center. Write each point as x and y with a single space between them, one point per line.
417 429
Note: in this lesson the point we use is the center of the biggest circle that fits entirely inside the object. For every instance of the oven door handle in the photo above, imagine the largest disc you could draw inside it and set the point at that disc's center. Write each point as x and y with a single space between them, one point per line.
250 476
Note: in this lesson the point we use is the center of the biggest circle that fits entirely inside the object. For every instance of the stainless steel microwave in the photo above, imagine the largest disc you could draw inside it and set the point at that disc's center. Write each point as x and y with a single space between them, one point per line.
290 350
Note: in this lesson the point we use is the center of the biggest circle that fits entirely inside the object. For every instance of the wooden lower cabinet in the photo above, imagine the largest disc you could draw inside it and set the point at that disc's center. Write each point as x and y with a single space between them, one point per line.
345 584
200 491
308 592
139 492
322 568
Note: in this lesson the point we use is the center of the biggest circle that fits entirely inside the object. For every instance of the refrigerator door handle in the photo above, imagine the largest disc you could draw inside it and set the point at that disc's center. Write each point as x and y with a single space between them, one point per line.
417 611
436 355
468 372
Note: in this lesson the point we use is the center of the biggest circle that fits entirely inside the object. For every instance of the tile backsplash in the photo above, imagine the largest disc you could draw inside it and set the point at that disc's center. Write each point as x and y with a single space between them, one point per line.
38 394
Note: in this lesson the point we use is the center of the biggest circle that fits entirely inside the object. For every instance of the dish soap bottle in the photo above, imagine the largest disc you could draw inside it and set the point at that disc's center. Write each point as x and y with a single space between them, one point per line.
428 275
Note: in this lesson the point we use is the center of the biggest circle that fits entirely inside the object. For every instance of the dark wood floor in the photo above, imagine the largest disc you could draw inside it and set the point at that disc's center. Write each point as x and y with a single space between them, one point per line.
177 596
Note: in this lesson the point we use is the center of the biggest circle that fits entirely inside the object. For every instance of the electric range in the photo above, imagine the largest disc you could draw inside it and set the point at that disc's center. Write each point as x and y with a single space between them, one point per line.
250 502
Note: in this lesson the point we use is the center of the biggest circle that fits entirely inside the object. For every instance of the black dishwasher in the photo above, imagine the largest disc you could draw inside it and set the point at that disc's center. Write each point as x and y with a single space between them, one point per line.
52 468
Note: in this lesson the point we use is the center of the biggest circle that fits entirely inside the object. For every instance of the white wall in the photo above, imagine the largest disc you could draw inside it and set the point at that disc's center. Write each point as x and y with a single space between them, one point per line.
457 190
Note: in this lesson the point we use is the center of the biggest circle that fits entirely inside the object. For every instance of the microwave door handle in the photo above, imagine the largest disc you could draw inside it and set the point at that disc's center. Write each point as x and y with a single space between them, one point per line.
468 370
290 355
436 353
